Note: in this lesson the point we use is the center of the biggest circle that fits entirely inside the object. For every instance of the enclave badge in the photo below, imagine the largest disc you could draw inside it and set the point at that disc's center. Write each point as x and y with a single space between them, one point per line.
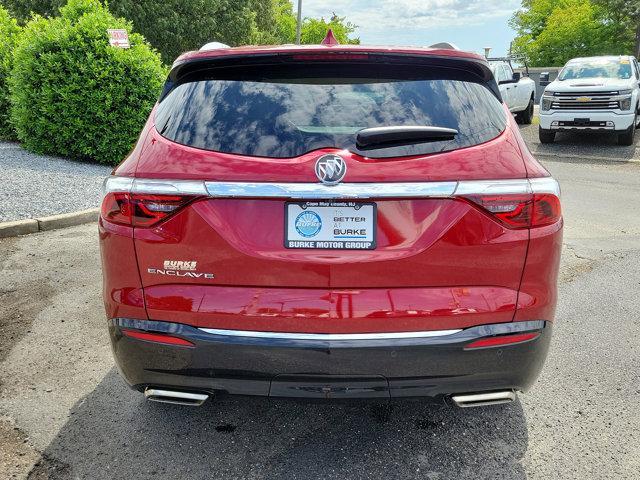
330 169
180 268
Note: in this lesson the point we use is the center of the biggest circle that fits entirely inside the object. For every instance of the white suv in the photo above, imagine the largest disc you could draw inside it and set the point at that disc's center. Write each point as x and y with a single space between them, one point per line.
594 93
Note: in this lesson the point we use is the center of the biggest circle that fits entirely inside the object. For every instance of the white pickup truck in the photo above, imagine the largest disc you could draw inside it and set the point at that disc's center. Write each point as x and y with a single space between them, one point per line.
518 92
594 94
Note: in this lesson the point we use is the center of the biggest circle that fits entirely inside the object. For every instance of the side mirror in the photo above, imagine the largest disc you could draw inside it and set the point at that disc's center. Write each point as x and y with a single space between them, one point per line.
516 77
544 79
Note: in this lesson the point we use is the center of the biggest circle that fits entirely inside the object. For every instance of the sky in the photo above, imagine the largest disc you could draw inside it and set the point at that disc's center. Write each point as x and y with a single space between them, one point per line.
471 25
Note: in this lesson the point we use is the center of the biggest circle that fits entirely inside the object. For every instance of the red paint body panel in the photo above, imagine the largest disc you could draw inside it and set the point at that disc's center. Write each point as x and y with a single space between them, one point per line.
538 290
122 290
533 167
330 310
127 168
436 243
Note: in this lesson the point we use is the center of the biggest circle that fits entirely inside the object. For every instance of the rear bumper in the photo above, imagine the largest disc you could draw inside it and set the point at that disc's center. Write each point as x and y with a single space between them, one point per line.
324 367
565 120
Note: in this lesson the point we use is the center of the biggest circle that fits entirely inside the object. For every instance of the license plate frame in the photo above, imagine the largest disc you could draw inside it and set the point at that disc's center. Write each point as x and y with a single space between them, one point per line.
327 240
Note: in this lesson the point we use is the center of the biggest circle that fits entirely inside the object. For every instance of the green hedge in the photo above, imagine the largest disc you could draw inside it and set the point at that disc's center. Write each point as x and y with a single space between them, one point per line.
73 94
9 31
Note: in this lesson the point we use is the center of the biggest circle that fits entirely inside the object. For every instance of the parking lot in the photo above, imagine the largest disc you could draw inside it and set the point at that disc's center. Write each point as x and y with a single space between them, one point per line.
587 146
65 413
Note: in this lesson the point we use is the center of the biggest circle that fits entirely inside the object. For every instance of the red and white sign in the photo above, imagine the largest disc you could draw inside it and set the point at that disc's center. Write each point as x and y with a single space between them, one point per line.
118 38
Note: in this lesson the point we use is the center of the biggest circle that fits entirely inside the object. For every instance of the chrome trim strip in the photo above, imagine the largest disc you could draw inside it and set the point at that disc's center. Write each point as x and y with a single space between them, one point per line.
319 191
545 185
169 187
328 336
117 184
493 187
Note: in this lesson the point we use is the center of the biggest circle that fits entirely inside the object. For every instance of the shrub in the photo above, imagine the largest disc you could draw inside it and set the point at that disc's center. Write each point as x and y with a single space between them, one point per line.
73 94
9 31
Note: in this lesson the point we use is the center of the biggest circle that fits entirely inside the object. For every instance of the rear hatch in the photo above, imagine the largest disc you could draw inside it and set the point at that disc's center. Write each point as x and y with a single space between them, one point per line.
237 231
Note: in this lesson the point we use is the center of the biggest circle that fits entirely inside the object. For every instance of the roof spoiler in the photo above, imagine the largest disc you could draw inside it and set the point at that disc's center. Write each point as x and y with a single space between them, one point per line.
183 69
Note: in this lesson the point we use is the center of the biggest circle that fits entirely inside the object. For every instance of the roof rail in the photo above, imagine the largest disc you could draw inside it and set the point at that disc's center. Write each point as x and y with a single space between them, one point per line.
214 46
445 45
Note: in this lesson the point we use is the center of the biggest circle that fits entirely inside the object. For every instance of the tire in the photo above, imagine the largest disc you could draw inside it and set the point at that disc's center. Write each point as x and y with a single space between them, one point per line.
546 136
627 137
526 116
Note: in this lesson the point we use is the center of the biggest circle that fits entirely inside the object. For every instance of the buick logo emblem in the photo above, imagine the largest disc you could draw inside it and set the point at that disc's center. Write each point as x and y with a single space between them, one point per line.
330 169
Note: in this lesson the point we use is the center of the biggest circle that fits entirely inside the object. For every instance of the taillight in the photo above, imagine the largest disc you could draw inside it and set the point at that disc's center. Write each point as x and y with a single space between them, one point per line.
514 211
534 205
116 208
546 209
147 210
140 210
124 205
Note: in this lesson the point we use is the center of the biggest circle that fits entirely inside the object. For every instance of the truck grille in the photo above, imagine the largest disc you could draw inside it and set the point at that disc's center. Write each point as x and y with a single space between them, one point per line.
585 101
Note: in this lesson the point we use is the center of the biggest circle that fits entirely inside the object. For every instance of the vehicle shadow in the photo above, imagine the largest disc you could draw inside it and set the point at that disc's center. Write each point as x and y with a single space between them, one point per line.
113 433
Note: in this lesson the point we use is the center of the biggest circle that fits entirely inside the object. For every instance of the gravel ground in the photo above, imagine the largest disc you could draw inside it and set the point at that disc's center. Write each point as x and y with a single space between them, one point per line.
37 185
66 414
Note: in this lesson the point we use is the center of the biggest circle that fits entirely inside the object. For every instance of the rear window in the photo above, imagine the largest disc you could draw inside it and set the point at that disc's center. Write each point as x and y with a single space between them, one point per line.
286 111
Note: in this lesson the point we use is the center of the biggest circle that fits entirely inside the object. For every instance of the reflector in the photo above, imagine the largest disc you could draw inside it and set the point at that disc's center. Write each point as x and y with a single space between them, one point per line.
502 340
157 338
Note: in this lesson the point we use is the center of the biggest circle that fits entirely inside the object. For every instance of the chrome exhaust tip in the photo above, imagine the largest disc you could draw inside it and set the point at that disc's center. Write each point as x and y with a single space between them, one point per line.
482 399
175 397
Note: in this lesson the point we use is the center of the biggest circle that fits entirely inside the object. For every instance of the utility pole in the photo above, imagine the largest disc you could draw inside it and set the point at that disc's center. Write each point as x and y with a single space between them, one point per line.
299 25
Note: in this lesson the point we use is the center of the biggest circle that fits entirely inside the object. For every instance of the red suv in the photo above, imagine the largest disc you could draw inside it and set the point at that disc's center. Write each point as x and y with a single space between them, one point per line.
332 222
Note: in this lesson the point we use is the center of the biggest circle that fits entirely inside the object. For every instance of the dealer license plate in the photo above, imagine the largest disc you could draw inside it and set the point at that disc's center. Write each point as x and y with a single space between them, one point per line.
330 225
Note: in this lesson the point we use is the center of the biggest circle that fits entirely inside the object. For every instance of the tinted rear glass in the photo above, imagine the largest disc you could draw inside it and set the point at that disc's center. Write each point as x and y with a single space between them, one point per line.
286 111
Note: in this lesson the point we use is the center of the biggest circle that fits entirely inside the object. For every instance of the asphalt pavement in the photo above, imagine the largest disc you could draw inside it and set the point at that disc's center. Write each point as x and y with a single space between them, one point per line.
66 414
583 146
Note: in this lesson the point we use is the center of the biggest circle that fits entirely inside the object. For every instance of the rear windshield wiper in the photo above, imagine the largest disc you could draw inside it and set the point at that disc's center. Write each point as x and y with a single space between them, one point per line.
385 137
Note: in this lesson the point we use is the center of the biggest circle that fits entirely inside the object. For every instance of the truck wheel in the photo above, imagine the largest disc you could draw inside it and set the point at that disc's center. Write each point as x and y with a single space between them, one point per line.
526 116
626 138
546 136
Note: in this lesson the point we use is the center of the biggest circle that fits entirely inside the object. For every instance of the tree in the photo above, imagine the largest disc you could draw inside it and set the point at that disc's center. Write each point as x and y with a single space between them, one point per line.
314 30
627 13
176 26
22 9
550 32
283 27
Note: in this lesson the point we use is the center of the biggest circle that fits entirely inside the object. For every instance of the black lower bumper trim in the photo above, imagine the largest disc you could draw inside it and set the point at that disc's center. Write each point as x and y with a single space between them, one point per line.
381 368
